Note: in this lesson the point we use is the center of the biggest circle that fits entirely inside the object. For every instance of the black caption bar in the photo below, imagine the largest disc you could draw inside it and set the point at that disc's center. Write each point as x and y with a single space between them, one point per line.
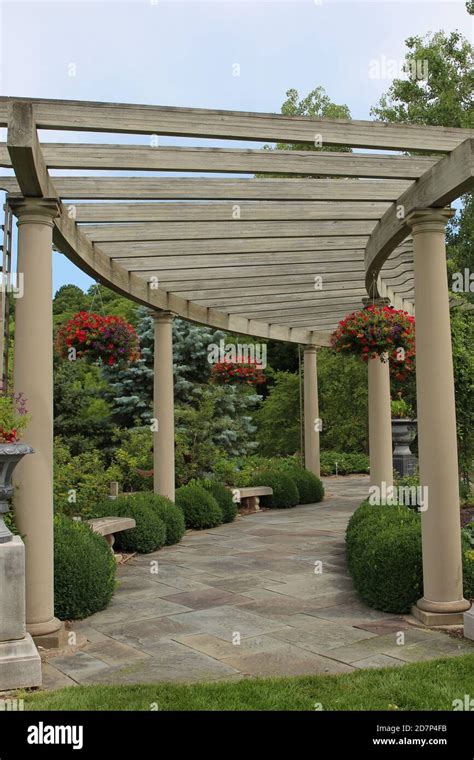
127 734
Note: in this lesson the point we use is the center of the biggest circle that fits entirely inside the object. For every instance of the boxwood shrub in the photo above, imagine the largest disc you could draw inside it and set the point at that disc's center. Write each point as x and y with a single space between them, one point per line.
467 537
385 559
200 508
150 531
285 492
224 498
84 570
172 516
310 488
384 556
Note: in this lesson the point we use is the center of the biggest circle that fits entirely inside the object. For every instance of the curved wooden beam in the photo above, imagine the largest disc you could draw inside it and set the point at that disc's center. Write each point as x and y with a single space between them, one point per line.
439 186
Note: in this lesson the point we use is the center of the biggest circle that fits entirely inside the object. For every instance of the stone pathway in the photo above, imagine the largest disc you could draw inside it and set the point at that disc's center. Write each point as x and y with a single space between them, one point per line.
244 600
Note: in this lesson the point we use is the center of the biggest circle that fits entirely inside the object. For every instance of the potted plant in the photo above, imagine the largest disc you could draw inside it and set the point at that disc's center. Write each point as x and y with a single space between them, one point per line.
108 340
14 418
403 434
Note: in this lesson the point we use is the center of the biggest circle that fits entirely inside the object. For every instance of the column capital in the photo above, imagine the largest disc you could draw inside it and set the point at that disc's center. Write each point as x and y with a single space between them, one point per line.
163 317
429 219
35 210
310 349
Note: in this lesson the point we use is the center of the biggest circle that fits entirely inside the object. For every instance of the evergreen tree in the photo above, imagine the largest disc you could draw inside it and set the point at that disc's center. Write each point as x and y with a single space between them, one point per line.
211 413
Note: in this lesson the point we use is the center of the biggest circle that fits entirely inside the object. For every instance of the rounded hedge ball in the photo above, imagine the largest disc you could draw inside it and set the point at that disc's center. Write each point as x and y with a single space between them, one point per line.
200 508
84 570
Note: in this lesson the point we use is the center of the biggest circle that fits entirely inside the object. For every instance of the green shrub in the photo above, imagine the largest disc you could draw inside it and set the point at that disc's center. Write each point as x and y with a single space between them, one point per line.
84 570
200 508
168 512
467 536
172 516
285 492
347 464
384 556
223 497
150 531
80 481
310 488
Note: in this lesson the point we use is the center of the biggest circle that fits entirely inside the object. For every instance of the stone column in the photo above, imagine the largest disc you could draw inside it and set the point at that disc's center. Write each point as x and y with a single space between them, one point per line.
163 450
33 376
380 423
311 412
442 601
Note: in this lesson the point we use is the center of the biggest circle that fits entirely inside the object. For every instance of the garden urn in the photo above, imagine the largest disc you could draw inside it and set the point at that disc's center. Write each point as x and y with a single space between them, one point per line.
403 434
10 455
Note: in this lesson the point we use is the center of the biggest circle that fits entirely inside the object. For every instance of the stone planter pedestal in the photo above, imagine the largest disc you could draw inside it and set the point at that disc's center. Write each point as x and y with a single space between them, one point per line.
403 434
20 664
469 624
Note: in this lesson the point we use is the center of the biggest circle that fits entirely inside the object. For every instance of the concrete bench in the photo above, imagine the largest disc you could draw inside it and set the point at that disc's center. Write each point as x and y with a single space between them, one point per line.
250 497
108 526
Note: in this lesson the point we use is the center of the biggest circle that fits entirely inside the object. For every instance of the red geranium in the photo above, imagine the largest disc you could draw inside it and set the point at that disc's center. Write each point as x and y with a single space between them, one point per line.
94 337
249 372
379 331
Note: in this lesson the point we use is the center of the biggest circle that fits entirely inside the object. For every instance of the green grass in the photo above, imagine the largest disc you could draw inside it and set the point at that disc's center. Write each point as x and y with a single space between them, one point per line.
423 686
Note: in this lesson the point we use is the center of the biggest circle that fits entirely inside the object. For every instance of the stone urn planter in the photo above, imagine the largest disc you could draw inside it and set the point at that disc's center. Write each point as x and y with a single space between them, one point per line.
10 455
403 434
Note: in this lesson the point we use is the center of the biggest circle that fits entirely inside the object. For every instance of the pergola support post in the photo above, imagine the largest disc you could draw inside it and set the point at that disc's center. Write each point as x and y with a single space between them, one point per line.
380 415
380 423
312 422
33 376
163 394
442 602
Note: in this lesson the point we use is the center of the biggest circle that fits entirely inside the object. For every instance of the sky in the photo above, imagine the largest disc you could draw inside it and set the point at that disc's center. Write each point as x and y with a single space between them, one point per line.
228 55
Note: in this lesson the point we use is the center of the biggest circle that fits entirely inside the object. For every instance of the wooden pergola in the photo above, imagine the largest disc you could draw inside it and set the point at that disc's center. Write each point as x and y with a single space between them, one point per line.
280 257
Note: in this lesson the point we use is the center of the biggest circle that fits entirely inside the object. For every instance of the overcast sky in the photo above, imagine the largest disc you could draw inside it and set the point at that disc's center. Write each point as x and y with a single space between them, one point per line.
188 53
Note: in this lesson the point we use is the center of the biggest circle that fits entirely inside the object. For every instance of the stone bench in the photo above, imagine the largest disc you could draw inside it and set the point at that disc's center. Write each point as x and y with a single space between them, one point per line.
250 497
109 526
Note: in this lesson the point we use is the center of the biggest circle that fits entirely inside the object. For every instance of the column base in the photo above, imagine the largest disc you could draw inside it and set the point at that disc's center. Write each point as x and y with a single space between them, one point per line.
20 664
49 635
440 613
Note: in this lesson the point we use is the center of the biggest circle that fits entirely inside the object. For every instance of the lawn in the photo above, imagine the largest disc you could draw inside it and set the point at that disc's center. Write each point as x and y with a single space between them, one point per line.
429 685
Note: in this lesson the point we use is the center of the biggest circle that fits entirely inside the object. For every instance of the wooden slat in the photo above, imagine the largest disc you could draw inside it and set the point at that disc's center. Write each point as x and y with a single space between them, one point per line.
439 186
267 263
224 160
172 188
273 303
224 230
196 122
226 211
181 249
9 184
249 294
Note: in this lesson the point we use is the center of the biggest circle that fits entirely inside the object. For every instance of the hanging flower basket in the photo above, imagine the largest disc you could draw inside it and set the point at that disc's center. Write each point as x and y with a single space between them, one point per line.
109 340
379 331
250 373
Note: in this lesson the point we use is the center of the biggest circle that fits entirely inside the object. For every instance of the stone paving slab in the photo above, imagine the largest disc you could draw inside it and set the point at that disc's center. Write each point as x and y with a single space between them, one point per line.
378 661
251 582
